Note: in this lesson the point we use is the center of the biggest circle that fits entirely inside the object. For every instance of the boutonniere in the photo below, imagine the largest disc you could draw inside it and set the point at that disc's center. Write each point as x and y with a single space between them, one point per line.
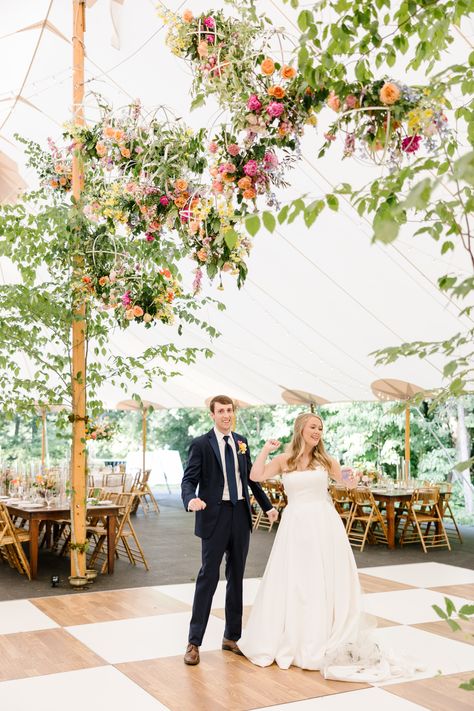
242 446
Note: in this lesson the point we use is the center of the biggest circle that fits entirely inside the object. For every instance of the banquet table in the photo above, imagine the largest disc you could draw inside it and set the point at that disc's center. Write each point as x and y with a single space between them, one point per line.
34 516
389 497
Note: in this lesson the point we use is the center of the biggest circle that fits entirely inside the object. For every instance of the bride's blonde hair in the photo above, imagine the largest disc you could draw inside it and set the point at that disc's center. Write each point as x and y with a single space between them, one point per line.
295 449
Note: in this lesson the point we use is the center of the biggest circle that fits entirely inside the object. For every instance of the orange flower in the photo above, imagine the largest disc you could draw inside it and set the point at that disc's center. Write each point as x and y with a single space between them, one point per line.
86 279
118 135
137 311
268 66
202 255
62 180
54 183
101 149
277 91
166 273
334 102
202 49
389 93
109 131
180 201
249 194
188 16
181 184
103 280
244 183
288 72
129 315
170 295
125 152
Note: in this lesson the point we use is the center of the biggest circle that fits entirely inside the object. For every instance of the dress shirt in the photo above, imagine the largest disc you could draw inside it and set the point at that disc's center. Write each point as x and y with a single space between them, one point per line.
221 444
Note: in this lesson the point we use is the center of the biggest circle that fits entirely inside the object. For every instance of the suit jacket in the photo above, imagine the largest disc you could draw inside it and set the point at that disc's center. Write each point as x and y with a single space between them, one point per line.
204 471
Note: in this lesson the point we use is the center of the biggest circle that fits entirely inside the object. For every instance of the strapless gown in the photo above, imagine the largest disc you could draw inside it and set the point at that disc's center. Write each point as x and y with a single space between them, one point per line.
308 609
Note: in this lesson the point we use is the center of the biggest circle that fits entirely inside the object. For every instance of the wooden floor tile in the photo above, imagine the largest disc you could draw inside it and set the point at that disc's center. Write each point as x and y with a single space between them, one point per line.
465 591
381 622
466 634
27 654
108 605
372 584
440 693
226 682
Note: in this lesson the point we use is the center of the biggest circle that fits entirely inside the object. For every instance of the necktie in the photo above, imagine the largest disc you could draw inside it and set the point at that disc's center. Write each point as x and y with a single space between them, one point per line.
230 470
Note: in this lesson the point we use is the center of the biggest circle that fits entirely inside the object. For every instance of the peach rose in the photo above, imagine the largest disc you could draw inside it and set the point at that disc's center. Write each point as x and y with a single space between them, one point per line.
249 194
103 280
54 183
334 102
217 186
188 16
147 318
180 184
288 72
109 131
389 93
118 135
125 152
277 92
244 183
202 255
129 315
137 311
268 66
62 180
180 201
202 49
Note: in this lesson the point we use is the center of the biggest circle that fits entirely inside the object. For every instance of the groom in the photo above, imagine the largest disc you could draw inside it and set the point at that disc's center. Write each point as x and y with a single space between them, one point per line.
219 464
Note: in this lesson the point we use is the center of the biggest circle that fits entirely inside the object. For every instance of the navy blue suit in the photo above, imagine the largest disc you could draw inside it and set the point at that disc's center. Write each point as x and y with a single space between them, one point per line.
224 529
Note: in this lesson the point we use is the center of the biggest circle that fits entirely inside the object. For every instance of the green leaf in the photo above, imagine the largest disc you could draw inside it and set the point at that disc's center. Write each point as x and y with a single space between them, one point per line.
419 196
312 211
333 202
450 607
466 610
305 19
252 224
231 238
454 625
269 221
441 613
283 214
200 100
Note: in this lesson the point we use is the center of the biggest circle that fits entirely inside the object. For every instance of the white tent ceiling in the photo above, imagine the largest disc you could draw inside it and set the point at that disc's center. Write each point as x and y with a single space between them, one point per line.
317 302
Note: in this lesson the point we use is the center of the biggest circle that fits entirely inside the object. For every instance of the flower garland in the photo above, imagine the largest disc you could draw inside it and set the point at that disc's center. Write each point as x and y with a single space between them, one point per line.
101 429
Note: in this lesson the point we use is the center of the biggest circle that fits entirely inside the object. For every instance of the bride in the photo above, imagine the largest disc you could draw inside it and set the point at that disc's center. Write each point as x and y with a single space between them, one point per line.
308 609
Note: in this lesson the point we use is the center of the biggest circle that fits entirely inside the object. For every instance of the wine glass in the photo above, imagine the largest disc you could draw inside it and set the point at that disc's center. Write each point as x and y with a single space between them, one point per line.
48 497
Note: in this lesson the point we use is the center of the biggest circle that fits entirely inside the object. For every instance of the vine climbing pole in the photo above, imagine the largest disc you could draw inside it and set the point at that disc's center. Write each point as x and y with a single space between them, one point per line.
78 457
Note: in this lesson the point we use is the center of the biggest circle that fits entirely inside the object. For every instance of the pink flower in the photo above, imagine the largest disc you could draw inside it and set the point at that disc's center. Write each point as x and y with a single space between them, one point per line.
270 160
351 101
164 201
251 168
334 101
210 39
197 280
410 144
126 300
213 147
209 23
217 186
227 168
138 150
149 237
253 103
329 137
275 109
233 149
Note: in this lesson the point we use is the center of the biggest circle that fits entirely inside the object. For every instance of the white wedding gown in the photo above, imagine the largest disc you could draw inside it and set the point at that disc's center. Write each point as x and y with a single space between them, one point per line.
308 609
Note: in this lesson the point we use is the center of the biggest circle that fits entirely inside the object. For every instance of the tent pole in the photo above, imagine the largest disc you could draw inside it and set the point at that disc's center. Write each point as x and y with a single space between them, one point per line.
78 459
143 440
43 439
407 442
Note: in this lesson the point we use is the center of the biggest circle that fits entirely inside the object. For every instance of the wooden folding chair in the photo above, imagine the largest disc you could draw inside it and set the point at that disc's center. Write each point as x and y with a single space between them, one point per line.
343 503
141 489
445 493
423 511
366 523
11 539
126 539
257 512
276 493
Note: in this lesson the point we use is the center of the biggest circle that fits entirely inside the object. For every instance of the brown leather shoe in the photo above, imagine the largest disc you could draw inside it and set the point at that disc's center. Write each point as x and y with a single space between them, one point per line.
229 645
192 655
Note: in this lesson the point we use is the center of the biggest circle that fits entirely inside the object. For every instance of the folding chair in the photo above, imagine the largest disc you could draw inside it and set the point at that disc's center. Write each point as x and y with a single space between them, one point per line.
142 491
11 539
423 511
366 516
342 501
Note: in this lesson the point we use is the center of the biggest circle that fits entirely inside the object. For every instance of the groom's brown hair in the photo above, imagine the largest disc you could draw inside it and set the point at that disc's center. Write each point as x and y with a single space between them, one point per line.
223 400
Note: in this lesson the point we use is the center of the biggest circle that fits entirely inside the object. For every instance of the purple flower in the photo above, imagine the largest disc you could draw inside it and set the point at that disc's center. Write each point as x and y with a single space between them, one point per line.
251 168
209 23
275 109
254 104
410 144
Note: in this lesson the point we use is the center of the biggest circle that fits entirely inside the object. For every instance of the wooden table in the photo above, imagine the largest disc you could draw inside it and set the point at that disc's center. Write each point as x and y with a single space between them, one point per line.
389 498
55 513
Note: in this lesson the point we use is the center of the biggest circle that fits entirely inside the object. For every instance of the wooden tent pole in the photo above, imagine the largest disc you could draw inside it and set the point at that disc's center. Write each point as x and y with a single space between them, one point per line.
144 412
78 459
407 442
43 440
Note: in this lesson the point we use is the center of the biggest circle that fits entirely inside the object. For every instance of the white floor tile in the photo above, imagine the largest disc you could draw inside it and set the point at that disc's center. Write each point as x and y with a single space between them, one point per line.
145 637
437 654
185 592
408 607
98 688
423 575
363 700
22 616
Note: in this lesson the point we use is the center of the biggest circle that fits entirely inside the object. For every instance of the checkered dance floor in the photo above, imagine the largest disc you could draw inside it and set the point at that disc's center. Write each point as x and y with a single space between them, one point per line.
123 649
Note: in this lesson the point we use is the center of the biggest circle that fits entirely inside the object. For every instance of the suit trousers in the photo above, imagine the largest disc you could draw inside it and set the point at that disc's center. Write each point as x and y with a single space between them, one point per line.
230 536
